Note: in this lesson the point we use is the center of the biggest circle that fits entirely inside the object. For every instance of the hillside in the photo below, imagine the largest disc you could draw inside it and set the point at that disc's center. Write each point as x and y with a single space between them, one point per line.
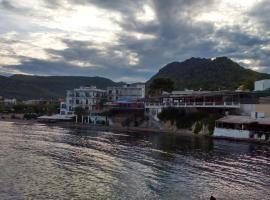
47 87
206 74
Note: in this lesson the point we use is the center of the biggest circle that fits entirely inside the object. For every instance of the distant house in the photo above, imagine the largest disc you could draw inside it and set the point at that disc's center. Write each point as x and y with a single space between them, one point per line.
10 101
126 92
87 97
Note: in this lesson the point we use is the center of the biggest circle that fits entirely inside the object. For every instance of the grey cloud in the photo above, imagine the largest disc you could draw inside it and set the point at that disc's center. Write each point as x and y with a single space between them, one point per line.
177 37
60 68
262 12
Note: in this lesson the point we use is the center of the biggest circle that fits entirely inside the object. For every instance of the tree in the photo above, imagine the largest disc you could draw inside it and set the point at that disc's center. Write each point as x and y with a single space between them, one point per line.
249 85
161 84
80 111
52 109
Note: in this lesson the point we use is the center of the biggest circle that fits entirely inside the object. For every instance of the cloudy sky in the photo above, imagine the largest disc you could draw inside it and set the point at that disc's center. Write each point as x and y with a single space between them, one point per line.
129 40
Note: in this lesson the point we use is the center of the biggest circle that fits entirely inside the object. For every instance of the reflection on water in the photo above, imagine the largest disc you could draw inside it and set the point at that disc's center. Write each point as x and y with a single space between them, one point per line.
41 162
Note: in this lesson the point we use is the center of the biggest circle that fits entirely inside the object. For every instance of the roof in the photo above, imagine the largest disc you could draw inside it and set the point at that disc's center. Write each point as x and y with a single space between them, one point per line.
264 121
235 119
201 93
56 117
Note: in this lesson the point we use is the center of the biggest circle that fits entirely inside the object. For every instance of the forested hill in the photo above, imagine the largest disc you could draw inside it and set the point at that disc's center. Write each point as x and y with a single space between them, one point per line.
47 87
207 74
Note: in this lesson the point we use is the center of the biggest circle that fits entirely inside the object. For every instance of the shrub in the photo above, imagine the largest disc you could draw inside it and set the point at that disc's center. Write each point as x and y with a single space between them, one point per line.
198 127
211 125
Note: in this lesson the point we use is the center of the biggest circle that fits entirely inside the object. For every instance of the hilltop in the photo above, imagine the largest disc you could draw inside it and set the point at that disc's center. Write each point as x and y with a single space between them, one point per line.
47 87
209 74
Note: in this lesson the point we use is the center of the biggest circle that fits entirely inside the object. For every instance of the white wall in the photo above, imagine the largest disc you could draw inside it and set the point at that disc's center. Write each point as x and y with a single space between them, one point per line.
222 132
247 109
262 85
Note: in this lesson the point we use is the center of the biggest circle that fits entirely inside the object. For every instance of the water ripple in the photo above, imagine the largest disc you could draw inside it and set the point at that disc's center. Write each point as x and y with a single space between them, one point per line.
41 162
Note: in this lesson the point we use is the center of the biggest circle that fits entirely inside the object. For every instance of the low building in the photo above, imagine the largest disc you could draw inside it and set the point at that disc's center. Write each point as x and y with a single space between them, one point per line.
262 85
87 97
243 127
126 92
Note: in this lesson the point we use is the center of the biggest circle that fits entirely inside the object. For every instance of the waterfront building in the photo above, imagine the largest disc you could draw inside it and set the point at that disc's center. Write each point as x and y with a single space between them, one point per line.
132 107
262 85
87 97
235 102
243 127
218 100
126 92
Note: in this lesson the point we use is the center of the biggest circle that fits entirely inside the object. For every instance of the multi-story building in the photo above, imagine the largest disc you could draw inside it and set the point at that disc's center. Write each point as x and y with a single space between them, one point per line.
87 97
126 92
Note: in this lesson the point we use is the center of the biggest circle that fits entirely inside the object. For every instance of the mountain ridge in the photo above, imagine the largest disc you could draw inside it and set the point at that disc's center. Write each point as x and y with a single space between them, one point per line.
220 73
47 87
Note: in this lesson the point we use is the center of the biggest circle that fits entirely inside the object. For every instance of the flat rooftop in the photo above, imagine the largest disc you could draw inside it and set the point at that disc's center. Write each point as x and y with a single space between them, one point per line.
238 119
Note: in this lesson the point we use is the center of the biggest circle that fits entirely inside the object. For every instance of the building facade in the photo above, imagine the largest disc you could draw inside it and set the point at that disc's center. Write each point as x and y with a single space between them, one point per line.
262 85
126 92
10 101
87 97
243 127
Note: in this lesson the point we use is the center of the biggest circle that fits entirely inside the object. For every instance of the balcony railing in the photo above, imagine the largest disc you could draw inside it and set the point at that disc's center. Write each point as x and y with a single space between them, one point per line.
194 104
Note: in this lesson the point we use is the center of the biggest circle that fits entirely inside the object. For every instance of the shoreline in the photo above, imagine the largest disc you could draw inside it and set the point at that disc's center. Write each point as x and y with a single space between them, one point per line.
182 132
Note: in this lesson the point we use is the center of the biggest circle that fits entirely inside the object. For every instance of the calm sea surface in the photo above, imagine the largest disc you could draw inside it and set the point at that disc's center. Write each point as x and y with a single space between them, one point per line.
41 162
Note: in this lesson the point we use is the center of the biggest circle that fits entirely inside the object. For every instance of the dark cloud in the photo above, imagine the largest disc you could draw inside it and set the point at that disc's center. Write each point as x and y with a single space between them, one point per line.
54 68
172 35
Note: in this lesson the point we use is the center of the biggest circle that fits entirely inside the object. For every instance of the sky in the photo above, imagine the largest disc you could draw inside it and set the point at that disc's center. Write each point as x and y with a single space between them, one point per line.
129 40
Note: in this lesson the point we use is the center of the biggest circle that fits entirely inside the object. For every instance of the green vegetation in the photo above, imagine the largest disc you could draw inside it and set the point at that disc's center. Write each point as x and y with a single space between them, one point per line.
184 119
26 87
198 127
248 85
161 84
211 123
80 111
206 74
44 109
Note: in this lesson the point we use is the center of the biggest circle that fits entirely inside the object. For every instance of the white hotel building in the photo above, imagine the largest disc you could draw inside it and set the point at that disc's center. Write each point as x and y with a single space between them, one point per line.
87 97
126 92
